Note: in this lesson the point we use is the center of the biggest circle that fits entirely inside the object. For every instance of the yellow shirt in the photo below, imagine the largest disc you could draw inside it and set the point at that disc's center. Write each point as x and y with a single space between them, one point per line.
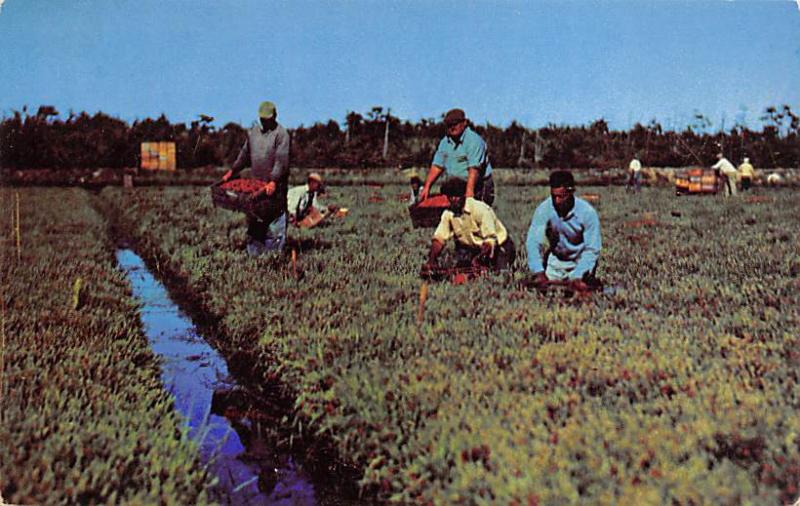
476 225
747 170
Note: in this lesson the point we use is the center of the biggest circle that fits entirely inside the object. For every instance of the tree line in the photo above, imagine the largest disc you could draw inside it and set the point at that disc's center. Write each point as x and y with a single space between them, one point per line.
44 140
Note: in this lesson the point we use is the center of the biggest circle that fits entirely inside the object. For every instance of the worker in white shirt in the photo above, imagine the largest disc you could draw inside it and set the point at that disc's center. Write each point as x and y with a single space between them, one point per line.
728 173
301 200
635 174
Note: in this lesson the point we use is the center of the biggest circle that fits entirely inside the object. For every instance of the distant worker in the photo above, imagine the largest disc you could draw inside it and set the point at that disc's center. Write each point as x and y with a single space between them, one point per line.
635 174
302 199
563 240
727 172
266 150
462 154
481 239
746 173
416 189
774 179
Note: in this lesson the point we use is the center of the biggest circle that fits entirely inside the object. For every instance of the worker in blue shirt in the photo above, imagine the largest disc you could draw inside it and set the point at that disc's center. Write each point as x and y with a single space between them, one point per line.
462 154
564 237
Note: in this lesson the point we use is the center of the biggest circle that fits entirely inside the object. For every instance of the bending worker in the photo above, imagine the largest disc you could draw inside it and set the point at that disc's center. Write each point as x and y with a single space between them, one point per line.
301 200
564 237
481 239
729 173
266 150
416 187
462 154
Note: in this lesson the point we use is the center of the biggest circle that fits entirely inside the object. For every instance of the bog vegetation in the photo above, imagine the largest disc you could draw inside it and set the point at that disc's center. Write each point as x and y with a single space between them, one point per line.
680 387
84 418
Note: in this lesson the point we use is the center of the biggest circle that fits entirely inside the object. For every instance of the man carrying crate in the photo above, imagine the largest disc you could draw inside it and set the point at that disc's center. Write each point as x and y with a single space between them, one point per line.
463 154
266 150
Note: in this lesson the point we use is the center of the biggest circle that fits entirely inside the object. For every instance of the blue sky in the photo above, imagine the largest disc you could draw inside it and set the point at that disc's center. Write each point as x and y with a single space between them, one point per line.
536 62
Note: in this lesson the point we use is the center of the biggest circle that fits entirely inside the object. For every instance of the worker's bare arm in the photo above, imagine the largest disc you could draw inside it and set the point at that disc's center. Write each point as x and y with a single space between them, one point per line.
473 173
433 175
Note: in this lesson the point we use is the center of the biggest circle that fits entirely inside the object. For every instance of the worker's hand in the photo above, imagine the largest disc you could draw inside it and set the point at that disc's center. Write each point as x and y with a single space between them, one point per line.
428 268
487 249
269 188
579 285
540 280
423 194
227 176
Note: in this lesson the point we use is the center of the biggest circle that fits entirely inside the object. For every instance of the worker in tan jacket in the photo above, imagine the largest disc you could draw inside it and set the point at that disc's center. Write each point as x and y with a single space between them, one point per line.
728 173
481 239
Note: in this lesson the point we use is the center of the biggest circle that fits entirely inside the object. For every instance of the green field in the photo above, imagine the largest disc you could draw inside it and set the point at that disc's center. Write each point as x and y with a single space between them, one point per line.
680 387
83 416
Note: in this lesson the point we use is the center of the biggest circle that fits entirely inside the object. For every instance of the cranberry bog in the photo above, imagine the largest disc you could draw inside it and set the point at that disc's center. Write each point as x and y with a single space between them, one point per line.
678 387
83 416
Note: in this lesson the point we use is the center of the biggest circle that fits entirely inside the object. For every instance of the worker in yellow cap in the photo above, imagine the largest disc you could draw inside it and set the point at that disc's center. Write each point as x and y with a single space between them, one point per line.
302 199
266 151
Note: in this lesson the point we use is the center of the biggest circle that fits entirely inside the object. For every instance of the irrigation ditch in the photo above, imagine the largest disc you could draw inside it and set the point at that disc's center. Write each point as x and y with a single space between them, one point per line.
242 418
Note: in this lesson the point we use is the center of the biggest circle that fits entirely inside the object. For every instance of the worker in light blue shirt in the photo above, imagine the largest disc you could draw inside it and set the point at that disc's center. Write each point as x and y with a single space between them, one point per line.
564 237
462 154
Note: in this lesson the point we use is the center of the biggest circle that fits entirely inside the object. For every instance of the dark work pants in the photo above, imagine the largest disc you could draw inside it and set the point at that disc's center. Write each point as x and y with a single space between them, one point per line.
504 255
484 190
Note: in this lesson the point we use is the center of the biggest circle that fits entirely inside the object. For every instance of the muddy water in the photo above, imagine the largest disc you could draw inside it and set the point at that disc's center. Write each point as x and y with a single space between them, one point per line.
196 375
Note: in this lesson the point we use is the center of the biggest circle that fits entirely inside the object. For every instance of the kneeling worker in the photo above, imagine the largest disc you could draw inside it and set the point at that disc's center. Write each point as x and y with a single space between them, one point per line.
481 239
563 240
302 200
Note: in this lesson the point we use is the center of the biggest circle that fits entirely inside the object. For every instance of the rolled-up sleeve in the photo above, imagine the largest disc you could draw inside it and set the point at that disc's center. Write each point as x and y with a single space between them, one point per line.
444 232
591 252
536 235
487 226
476 153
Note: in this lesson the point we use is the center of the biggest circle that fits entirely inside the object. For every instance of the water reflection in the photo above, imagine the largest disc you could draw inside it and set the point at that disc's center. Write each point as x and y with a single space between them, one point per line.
249 471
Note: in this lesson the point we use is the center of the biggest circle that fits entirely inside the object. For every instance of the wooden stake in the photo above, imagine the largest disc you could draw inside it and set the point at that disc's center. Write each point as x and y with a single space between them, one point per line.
294 263
19 240
423 296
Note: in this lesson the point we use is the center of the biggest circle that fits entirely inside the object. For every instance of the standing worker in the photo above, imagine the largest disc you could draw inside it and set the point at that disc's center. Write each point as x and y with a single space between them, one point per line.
462 154
481 239
563 240
635 174
266 150
746 173
728 172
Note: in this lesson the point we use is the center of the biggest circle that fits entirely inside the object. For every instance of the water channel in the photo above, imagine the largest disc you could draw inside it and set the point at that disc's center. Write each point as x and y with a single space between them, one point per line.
248 472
